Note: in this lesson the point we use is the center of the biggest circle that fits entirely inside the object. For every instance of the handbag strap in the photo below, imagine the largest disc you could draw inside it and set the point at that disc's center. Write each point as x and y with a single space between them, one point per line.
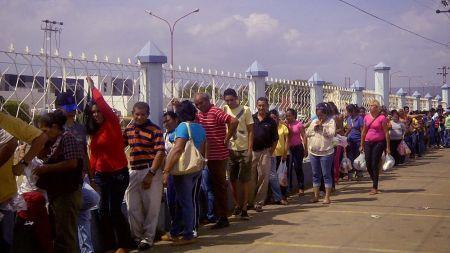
368 126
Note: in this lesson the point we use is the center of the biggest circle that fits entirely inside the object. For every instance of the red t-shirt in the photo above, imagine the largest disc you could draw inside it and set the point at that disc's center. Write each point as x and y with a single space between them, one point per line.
107 148
214 121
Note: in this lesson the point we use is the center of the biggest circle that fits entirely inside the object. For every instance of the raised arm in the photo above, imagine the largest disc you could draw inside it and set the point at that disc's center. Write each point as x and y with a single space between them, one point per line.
99 100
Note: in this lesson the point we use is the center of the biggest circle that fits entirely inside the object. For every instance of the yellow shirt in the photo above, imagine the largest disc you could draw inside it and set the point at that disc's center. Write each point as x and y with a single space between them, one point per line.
24 132
283 132
240 141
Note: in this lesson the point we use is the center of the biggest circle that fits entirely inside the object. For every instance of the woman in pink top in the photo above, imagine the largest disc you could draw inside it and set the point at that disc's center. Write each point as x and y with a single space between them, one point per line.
297 148
375 139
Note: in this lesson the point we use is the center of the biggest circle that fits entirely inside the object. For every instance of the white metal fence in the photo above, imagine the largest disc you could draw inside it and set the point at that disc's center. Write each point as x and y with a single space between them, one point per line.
26 93
283 94
187 82
338 95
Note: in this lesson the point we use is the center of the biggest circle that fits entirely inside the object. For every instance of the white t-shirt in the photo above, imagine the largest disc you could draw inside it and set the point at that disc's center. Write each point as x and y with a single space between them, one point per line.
29 180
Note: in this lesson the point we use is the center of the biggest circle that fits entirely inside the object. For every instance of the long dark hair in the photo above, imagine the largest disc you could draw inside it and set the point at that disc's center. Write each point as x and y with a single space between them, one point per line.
88 120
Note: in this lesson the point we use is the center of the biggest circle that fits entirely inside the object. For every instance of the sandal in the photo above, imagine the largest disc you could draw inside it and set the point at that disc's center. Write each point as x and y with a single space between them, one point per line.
314 200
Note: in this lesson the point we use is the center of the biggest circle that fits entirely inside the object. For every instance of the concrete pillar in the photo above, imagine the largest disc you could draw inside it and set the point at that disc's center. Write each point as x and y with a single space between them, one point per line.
402 101
382 82
316 91
429 103
439 99
416 101
445 98
152 59
357 96
257 86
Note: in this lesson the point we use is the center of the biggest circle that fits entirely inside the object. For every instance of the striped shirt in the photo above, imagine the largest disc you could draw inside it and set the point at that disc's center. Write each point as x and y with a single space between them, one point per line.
214 121
145 141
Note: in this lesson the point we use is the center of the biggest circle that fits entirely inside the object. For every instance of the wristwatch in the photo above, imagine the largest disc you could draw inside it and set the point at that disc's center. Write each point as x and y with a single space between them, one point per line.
152 171
23 162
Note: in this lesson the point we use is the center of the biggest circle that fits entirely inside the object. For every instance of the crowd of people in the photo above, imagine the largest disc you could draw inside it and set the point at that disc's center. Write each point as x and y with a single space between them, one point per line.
67 167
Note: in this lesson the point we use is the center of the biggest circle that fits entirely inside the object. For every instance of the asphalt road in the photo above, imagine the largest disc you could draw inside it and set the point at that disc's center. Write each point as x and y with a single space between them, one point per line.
412 214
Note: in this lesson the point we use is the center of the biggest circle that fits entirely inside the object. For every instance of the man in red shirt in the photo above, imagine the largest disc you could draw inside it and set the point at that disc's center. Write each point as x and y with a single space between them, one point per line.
215 121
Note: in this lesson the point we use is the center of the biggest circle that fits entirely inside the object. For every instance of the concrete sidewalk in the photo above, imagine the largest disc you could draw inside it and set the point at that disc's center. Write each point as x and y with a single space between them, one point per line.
412 214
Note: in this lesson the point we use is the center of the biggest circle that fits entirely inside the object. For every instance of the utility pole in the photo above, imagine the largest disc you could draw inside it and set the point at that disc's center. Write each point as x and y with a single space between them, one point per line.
444 73
49 27
345 82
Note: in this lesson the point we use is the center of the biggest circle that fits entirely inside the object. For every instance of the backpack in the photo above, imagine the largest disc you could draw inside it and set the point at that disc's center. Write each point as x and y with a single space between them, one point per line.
191 160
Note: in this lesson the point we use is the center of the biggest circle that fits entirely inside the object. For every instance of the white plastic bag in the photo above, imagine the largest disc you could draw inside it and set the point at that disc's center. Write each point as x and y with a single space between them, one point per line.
360 162
282 174
346 165
340 140
388 163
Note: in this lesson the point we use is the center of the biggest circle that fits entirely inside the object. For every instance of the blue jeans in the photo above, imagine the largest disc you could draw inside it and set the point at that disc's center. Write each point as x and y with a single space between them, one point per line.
6 231
171 197
90 199
273 181
419 146
184 220
207 190
321 167
112 188
353 150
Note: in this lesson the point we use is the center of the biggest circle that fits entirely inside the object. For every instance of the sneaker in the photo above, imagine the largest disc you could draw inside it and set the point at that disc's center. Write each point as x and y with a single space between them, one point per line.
244 215
167 237
237 211
144 245
222 223
258 208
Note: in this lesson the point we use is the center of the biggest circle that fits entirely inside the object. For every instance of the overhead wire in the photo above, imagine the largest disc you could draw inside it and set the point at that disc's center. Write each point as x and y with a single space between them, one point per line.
392 24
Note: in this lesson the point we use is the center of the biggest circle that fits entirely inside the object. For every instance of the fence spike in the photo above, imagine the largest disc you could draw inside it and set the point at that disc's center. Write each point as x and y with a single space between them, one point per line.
27 50
56 52
195 69
187 68
83 56
179 67
118 59
202 70
70 55
106 59
209 71
11 48
129 61
138 62
41 51
228 74
95 57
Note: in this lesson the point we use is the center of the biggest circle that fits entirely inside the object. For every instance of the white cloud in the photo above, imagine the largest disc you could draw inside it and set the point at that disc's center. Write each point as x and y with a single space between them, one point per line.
255 25
258 24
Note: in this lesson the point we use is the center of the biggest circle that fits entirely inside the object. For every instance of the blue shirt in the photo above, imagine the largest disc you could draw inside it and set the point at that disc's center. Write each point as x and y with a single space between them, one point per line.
356 124
198 133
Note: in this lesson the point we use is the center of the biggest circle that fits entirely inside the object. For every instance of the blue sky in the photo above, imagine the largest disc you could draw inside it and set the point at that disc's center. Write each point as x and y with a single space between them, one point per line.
292 39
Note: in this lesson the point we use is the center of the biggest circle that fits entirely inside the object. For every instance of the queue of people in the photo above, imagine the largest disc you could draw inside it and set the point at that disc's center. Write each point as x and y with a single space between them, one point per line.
68 167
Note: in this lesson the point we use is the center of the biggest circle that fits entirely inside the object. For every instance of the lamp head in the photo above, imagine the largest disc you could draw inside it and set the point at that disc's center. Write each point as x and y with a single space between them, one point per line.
196 10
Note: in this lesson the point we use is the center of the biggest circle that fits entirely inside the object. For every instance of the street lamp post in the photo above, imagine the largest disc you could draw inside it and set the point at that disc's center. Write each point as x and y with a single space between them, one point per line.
172 29
390 79
409 81
365 71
